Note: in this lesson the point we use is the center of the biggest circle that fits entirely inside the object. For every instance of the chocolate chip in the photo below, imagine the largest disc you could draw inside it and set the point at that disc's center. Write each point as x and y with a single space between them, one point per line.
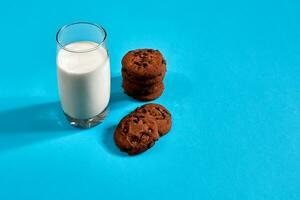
144 110
145 137
134 139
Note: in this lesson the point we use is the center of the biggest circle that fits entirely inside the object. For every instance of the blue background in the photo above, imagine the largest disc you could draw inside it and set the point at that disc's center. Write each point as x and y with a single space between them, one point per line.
233 87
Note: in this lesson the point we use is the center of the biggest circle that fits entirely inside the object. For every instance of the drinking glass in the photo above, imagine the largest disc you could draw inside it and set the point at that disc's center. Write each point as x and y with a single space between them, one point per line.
83 71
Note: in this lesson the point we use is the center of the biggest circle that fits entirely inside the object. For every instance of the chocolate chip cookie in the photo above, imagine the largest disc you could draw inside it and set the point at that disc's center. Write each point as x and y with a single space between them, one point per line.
148 97
143 71
157 112
136 134
142 80
134 88
143 64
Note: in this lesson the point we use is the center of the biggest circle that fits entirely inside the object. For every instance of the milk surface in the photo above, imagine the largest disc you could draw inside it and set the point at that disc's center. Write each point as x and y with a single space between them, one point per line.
84 79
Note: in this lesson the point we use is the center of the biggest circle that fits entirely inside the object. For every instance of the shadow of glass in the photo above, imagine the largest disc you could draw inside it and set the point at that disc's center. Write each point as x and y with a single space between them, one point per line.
29 124
46 117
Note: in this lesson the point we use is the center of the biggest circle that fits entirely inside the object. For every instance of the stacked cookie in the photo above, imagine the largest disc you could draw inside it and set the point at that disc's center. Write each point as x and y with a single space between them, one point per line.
139 130
143 71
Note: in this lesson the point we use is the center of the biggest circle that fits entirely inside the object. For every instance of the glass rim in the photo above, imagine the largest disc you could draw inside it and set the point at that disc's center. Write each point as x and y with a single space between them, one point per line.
60 31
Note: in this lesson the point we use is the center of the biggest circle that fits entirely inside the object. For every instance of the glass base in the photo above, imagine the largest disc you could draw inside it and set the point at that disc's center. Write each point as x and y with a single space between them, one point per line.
88 123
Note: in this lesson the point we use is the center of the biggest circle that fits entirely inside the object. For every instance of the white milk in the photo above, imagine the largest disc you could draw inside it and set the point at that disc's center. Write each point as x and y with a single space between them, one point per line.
84 80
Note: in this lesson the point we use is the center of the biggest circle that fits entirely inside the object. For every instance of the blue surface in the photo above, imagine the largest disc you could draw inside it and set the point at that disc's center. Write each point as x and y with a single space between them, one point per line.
233 87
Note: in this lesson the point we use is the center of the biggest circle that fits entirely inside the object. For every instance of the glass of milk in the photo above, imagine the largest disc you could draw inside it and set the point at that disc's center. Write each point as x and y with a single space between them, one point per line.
83 70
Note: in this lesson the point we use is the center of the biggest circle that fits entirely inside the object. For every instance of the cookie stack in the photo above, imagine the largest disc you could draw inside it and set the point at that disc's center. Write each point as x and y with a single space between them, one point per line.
143 71
139 130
